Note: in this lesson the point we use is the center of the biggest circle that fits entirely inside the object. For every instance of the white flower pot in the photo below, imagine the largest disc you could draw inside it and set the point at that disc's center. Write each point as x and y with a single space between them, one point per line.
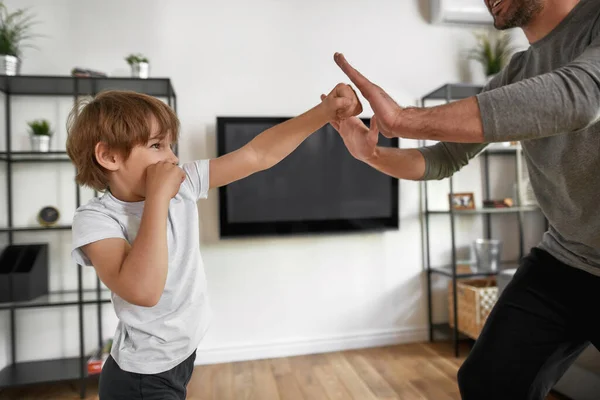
40 143
140 70
9 65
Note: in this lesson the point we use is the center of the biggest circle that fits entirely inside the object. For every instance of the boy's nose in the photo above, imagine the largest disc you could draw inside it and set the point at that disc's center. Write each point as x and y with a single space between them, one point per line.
173 158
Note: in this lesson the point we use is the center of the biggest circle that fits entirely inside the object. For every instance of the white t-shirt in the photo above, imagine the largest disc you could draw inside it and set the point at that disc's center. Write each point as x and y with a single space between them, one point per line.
150 340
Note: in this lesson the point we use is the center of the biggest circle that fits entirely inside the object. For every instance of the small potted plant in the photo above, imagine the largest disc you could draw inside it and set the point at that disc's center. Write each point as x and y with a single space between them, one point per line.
15 30
493 50
140 66
40 133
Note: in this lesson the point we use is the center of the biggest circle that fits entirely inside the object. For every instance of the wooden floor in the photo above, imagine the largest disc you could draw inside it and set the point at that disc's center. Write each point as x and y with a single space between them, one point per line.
413 371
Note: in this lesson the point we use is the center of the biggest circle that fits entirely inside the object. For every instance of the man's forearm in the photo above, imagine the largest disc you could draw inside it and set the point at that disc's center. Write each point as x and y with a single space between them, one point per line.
276 143
146 265
406 164
459 122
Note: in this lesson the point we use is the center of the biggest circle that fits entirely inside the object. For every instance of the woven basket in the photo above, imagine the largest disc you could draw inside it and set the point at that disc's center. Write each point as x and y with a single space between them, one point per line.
475 300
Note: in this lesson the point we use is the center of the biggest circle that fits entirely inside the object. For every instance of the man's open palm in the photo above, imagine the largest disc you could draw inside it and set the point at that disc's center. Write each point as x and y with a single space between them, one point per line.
384 107
360 140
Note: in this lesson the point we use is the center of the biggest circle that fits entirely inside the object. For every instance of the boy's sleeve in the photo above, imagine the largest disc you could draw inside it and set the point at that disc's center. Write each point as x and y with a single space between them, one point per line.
197 178
90 226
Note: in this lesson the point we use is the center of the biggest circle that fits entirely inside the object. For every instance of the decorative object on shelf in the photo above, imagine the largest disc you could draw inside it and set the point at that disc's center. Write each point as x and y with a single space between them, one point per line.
508 202
15 30
487 254
86 72
462 201
140 66
40 134
98 358
475 299
48 216
492 51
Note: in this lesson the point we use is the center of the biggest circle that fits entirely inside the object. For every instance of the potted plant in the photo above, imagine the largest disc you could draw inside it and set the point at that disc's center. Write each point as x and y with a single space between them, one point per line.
493 50
40 133
140 66
15 30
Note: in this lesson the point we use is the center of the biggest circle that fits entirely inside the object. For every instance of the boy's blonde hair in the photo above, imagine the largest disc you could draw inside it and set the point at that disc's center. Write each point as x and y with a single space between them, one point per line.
122 120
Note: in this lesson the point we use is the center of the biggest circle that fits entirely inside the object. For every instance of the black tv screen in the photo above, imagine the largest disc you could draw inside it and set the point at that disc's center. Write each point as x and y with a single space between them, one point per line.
318 188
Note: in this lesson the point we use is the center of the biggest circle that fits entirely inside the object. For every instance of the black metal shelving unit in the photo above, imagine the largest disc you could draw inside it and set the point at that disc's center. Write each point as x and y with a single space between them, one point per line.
73 368
449 93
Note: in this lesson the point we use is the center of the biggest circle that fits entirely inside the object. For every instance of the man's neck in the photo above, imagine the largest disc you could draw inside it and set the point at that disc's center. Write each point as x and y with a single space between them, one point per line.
551 15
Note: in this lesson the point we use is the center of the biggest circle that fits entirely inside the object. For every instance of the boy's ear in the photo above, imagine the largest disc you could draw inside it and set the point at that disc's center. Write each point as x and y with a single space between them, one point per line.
107 158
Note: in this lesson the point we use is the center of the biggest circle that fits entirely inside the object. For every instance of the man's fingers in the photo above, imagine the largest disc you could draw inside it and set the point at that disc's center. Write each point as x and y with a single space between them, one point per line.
373 123
362 83
336 125
373 129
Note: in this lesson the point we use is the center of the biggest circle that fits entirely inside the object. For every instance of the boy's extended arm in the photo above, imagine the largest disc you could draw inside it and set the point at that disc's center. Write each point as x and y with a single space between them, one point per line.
276 143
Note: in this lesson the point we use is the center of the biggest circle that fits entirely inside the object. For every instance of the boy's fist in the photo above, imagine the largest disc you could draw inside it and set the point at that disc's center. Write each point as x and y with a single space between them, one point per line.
163 179
342 103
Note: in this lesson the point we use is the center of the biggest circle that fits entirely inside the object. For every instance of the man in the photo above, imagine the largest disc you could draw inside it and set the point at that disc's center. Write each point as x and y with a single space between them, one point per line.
548 98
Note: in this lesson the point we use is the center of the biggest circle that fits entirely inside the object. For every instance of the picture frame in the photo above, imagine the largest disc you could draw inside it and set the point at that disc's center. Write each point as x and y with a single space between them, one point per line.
462 201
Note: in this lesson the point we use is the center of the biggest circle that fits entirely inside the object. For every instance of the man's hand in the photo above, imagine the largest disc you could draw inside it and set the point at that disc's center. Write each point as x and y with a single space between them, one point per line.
341 103
163 179
384 107
360 140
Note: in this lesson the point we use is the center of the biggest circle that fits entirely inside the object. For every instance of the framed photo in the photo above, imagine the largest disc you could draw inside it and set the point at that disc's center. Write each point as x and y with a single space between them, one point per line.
462 201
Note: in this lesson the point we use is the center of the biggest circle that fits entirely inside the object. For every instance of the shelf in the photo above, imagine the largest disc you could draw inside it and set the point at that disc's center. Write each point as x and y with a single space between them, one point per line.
34 85
35 156
471 272
454 91
504 210
61 299
46 371
36 228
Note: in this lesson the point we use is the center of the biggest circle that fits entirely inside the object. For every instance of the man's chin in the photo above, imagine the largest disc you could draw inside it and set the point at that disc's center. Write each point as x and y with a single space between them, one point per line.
500 24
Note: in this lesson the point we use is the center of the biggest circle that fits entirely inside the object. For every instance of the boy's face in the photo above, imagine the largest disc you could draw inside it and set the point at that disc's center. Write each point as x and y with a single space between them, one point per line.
131 175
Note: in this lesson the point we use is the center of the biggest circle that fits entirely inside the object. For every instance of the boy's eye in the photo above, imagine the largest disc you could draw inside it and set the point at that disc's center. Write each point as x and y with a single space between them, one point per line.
156 145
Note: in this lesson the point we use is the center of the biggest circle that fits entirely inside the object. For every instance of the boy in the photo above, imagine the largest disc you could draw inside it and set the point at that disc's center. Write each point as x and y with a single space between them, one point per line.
142 235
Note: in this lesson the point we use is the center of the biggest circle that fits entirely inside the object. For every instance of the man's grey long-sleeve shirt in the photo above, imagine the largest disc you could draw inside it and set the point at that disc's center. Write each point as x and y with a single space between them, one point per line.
548 98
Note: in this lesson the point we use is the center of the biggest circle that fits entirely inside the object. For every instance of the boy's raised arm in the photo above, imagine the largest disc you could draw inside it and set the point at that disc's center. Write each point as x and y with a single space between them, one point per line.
276 143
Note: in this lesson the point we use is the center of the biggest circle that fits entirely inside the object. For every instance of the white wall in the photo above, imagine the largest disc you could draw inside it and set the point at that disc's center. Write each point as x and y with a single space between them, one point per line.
270 296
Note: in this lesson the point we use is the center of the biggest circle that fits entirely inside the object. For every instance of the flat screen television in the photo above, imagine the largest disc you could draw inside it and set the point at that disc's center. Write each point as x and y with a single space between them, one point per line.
319 188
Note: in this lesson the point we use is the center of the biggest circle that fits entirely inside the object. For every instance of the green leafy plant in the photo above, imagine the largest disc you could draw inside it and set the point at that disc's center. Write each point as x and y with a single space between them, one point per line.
136 59
493 51
40 127
15 30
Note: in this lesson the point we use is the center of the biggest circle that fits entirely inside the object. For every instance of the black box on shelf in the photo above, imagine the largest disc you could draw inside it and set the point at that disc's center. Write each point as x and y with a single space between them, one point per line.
8 260
23 272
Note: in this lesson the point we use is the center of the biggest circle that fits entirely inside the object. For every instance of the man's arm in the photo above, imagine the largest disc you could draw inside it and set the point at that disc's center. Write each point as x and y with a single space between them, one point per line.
276 143
437 161
564 100
406 164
